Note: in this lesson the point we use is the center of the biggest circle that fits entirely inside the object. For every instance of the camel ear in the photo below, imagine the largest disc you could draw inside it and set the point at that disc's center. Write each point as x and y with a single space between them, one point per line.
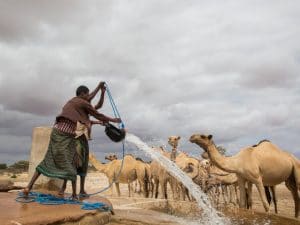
178 137
210 137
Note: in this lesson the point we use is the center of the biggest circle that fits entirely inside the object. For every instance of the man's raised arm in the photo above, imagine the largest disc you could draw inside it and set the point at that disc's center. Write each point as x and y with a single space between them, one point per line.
94 92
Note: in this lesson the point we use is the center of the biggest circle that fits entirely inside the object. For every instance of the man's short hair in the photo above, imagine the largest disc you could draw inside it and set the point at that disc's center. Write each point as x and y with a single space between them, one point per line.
82 89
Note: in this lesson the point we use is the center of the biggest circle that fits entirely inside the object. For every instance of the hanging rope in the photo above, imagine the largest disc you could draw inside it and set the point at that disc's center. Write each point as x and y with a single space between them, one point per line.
122 125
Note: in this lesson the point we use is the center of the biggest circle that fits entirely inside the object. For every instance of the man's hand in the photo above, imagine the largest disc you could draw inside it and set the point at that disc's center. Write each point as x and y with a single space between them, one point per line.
102 86
116 120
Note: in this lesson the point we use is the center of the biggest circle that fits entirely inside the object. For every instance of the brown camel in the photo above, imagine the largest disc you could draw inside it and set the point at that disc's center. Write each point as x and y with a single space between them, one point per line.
256 165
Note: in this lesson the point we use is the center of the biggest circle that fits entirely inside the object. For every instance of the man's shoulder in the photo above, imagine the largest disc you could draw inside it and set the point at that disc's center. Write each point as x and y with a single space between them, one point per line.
79 100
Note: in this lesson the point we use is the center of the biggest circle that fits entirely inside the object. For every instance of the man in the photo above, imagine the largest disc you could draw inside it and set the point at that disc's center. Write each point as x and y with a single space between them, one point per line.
83 134
61 159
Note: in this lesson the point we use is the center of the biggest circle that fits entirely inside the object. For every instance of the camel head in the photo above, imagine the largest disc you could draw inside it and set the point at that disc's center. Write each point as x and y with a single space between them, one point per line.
205 155
202 140
191 167
111 157
173 141
205 163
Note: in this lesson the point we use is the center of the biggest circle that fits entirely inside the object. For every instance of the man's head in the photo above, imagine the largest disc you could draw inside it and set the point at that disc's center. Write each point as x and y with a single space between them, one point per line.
82 91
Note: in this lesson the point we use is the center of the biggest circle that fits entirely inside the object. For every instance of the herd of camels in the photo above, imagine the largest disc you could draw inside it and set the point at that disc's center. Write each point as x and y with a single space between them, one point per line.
264 165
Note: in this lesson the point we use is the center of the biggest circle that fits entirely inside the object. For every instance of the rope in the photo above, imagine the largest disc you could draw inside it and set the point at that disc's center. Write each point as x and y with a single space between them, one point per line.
48 199
122 125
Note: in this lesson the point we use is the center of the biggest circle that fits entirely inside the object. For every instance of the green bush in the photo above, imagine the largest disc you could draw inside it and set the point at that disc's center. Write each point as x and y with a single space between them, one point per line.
21 165
3 166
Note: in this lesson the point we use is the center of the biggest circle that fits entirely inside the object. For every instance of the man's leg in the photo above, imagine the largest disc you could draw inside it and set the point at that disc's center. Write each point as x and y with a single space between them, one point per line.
63 188
74 196
82 184
31 183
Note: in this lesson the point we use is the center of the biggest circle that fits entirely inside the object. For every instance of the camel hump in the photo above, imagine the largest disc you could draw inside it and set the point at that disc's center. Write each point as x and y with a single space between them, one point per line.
265 140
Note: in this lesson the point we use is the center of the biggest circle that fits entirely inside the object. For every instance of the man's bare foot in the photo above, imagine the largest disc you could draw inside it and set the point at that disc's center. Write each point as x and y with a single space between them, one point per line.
26 192
83 194
61 193
74 197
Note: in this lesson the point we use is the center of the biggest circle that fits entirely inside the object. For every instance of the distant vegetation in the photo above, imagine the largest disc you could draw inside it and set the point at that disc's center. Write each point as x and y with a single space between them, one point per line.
3 166
222 150
17 167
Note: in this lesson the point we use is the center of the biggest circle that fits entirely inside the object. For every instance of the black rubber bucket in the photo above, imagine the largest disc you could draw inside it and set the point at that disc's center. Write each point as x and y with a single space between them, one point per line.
115 134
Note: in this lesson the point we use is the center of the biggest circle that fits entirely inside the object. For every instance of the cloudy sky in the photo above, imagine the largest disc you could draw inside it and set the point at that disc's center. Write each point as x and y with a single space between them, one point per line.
174 68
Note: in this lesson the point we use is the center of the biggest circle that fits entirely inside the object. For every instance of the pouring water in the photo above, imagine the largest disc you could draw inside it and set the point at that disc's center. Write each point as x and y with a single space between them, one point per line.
209 215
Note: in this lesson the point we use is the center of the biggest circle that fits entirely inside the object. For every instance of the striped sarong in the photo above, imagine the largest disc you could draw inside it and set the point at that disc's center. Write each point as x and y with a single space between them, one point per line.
59 161
82 149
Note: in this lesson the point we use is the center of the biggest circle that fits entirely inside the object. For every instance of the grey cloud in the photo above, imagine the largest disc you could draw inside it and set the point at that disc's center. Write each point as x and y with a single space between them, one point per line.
174 69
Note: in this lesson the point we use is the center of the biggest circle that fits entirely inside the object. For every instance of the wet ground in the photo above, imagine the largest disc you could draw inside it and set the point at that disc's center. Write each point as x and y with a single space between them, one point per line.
15 213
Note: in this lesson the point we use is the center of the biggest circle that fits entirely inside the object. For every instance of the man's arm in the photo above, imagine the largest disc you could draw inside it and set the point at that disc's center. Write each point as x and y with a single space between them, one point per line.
101 100
105 119
94 92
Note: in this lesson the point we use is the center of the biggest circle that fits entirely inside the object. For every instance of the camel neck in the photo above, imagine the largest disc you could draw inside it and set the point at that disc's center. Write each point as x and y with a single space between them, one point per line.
223 162
98 165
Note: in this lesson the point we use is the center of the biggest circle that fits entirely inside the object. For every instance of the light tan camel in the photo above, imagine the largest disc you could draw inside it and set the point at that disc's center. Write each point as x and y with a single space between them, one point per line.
173 141
262 165
159 174
127 175
142 171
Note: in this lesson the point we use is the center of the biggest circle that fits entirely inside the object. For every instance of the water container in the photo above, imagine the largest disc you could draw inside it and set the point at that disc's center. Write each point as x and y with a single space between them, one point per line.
115 134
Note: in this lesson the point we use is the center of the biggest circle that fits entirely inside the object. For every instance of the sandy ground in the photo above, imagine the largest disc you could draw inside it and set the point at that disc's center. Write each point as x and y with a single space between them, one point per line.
97 181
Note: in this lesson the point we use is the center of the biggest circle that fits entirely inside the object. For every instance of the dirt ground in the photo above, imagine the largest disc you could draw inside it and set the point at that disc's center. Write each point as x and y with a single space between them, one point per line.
285 202
97 181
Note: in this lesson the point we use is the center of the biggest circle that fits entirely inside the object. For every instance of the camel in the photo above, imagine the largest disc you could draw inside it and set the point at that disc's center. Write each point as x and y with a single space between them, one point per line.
159 174
141 170
127 175
173 141
263 165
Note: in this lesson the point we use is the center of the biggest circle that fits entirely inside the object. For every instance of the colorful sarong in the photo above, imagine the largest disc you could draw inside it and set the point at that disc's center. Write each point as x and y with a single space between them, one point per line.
59 161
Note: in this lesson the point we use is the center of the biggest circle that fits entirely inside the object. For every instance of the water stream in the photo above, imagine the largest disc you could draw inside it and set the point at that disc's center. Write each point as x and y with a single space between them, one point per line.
209 214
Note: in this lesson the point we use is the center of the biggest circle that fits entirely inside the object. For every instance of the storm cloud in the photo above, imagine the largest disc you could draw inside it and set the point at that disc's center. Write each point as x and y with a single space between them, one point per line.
174 68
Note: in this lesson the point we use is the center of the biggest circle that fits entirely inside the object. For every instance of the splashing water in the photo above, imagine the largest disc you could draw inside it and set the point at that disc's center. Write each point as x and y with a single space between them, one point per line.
210 215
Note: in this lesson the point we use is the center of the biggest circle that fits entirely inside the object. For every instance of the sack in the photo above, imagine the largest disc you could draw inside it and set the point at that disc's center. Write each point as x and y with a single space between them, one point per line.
115 134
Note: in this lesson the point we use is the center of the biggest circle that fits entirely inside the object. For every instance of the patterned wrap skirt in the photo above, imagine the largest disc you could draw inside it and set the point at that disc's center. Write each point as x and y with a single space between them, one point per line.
61 156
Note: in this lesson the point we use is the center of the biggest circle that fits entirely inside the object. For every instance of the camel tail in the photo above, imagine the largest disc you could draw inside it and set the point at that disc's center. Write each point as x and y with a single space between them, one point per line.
268 194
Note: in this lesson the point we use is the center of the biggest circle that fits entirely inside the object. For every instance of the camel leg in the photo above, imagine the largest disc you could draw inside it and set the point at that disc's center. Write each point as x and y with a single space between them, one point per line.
111 189
249 195
223 191
291 185
242 188
163 186
236 194
118 189
231 194
151 187
261 190
274 198
129 189
156 183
